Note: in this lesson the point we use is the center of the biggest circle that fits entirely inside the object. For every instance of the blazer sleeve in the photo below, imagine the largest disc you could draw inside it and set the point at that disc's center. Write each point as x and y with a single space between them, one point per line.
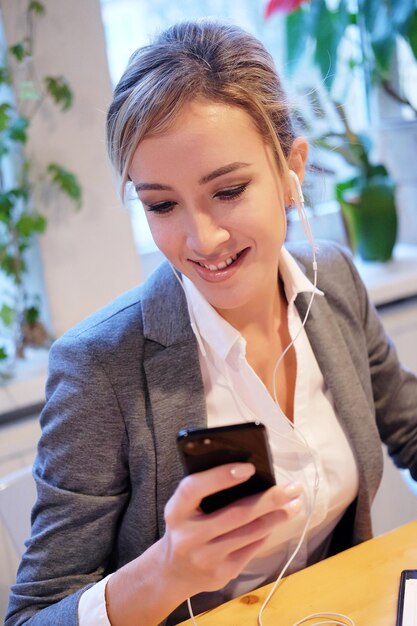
81 494
394 387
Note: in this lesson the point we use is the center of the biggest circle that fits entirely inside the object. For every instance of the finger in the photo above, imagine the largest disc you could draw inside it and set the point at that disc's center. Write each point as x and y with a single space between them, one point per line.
244 511
193 488
259 528
240 558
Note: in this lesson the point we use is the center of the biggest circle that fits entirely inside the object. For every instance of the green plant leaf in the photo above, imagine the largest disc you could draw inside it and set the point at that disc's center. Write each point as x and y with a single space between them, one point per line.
59 90
36 7
4 116
7 203
23 246
3 353
330 30
296 37
383 49
411 36
28 224
7 315
383 40
369 9
5 76
400 14
20 192
4 149
13 267
31 315
18 50
66 181
17 129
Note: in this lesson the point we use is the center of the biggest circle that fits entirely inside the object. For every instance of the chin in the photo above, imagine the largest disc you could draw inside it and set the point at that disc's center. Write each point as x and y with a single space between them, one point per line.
226 302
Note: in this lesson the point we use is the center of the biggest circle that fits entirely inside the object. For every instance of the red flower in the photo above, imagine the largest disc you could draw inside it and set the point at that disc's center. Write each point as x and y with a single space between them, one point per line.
282 6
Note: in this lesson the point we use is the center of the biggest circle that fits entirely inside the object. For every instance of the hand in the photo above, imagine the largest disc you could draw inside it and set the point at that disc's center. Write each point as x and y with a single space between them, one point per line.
198 552
204 552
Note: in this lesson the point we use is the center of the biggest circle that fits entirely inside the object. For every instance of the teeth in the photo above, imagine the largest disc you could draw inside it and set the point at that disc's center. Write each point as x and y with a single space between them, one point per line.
220 266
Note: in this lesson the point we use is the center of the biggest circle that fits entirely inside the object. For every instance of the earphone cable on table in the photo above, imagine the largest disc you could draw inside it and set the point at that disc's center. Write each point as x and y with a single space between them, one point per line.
348 621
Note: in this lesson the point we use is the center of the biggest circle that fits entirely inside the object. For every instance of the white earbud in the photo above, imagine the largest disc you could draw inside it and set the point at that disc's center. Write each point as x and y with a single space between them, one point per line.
297 186
299 203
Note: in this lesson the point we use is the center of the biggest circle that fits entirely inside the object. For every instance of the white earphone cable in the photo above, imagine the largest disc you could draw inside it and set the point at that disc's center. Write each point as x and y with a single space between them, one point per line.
334 617
299 202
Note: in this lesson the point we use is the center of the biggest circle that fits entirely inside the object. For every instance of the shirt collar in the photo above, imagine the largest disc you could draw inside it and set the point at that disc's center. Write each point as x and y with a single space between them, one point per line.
293 278
213 329
216 331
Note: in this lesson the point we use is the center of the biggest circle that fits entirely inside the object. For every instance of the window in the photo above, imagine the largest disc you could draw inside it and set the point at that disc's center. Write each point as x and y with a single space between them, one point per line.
131 23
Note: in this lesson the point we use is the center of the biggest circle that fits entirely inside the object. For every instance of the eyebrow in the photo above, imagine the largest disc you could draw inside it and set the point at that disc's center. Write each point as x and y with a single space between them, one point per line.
152 187
225 169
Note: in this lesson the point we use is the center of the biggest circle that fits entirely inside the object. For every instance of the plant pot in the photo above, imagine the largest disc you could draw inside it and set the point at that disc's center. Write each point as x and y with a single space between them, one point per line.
370 217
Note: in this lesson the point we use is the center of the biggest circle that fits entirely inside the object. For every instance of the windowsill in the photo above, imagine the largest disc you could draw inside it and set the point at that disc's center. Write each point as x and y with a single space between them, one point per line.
393 280
26 388
386 283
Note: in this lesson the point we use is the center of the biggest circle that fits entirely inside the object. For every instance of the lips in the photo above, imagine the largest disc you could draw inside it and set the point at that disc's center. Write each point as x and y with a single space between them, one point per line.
220 266
214 272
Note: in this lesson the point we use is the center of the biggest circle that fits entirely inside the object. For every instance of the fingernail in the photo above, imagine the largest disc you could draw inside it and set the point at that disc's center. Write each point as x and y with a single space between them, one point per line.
293 489
243 470
293 506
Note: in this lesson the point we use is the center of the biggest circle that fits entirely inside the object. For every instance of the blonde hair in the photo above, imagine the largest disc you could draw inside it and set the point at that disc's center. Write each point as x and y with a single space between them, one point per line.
202 59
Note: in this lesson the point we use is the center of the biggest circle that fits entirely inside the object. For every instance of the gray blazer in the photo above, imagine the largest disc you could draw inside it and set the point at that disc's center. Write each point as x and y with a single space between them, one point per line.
124 381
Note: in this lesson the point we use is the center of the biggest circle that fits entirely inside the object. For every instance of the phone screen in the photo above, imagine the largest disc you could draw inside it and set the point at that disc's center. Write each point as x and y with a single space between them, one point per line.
203 449
407 599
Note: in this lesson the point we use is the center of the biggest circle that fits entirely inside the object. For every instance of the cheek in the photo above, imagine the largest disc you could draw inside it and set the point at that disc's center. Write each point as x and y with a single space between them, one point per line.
275 221
164 235
283 220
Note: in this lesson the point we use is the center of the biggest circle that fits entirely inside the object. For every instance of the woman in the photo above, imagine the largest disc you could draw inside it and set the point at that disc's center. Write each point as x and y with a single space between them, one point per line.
200 127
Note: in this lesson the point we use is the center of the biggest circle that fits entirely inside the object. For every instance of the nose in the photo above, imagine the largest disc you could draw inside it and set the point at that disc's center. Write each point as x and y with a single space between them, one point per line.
205 235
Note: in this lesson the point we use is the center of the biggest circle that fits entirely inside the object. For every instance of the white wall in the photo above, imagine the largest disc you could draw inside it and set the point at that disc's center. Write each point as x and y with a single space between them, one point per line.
89 256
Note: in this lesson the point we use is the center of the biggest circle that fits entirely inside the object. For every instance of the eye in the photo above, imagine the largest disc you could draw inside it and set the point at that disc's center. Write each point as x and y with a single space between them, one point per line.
162 208
231 193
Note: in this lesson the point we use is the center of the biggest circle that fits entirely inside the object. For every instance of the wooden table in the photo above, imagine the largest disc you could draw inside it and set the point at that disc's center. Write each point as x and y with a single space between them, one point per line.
361 582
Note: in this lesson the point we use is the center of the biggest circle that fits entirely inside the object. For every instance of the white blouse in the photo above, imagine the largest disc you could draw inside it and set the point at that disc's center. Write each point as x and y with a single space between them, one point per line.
234 393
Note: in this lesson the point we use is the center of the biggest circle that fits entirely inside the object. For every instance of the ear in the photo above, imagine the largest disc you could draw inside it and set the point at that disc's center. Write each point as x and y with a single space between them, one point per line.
297 158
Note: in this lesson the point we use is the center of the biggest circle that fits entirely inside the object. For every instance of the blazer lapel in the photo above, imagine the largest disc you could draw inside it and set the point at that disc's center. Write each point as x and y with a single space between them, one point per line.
341 377
177 401
173 377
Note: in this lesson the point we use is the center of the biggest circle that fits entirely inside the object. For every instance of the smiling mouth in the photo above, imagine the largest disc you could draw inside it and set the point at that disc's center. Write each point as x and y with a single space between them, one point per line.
223 265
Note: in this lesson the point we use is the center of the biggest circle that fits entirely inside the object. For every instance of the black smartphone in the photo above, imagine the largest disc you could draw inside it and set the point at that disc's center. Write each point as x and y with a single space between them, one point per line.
204 448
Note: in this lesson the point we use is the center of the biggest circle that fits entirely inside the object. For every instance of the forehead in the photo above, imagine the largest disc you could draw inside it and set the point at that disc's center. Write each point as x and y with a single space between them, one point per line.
203 132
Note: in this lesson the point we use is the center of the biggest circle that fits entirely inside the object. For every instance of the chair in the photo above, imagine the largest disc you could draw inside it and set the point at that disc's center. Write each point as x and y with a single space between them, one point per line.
17 496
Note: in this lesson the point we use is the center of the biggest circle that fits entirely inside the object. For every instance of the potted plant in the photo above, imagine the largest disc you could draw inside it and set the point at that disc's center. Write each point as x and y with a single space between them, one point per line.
22 96
366 198
321 30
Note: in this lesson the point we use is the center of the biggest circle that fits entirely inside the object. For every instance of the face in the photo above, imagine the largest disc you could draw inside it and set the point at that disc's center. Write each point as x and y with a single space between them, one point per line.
214 200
